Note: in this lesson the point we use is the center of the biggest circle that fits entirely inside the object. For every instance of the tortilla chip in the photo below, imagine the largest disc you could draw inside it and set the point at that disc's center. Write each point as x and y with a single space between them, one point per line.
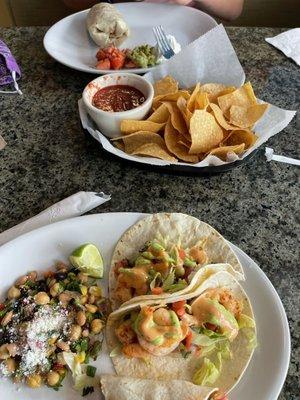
169 97
137 139
205 132
217 112
182 106
160 116
119 145
241 136
164 86
155 150
245 117
243 96
172 138
213 90
177 119
192 100
222 152
130 126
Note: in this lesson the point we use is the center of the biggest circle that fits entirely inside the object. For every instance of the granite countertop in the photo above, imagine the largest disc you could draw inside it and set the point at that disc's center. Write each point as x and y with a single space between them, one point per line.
48 157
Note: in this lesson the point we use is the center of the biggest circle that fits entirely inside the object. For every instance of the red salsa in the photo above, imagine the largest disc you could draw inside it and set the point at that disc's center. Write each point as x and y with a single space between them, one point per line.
117 98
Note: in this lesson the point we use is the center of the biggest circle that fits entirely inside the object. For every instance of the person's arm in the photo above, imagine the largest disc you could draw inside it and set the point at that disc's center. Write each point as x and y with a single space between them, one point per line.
225 9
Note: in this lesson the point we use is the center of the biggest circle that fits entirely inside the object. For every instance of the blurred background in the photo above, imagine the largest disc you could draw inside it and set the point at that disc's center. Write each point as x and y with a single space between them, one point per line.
281 13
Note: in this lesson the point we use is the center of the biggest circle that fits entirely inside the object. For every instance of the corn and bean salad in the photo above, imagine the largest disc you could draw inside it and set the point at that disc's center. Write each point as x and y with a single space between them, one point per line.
43 319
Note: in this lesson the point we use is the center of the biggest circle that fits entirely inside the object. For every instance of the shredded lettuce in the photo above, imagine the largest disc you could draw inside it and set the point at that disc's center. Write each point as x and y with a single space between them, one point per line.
224 350
181 284
155 280
203 340
169 281
207 374
82 381
246 322
252 339
72 363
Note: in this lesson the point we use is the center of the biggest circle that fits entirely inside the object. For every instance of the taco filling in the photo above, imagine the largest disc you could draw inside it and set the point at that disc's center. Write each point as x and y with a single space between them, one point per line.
201 326
156 270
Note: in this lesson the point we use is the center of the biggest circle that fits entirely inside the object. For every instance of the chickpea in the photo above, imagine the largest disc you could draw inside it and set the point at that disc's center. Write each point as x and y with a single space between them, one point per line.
52 282
91 308
22 280
7 318
13 293
83 299
32 275
92 299
96 326
85 333
80 318
4 353
96 291
10 365
60 266
82 277
64 298
55 289
63 345
41 298
12 349
34 381
52 378
75 332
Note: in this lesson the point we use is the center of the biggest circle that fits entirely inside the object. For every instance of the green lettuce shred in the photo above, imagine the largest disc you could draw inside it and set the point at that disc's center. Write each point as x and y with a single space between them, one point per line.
207 374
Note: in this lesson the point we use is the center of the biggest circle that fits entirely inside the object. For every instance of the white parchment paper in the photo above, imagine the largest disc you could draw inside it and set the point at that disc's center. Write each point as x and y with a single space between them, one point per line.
211 58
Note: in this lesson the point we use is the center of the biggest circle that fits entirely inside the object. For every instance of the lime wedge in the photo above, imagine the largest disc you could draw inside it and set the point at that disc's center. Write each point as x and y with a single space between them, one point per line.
87 258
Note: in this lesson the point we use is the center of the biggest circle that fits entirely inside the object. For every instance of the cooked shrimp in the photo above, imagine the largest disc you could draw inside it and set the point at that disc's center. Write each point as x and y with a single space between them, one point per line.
227 299
123 293
198 254
134 350
125 333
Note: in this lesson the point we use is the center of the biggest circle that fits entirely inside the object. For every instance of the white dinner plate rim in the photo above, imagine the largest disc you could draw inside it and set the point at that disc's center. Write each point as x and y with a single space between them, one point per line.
101 72
286 332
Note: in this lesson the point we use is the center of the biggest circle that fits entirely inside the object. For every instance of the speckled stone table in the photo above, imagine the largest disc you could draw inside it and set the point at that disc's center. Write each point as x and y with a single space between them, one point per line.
48 157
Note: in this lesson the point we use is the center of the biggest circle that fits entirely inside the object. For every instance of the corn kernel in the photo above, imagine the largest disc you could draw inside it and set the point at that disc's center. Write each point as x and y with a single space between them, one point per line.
83 290
80 357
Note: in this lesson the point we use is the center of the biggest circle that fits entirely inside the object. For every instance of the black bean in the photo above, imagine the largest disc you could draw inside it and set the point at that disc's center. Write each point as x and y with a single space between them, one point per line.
60 276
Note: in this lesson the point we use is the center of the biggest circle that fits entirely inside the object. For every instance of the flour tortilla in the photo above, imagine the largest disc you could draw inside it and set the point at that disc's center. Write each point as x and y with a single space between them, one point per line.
106 25
173 365
126 388
174 228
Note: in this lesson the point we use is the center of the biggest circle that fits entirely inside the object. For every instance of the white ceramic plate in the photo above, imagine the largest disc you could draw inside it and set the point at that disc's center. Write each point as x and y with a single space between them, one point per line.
69 43
39 249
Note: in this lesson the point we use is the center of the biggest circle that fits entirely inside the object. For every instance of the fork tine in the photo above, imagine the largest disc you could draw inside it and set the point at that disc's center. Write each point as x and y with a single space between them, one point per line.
164 38
158 39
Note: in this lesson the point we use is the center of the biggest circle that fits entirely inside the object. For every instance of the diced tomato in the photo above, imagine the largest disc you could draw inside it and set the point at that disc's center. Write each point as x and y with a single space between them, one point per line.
181 254
188 340
2 306
118 61
212 327
157 290
103 64
180 312
178 305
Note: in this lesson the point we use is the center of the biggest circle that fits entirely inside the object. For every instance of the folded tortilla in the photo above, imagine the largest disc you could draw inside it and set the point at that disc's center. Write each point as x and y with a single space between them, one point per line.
174 228
126 388
106 25
173 365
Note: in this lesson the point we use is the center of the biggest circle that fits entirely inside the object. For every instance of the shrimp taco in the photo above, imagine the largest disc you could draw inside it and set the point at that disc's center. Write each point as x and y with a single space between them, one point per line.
160 255
125 388
205 337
